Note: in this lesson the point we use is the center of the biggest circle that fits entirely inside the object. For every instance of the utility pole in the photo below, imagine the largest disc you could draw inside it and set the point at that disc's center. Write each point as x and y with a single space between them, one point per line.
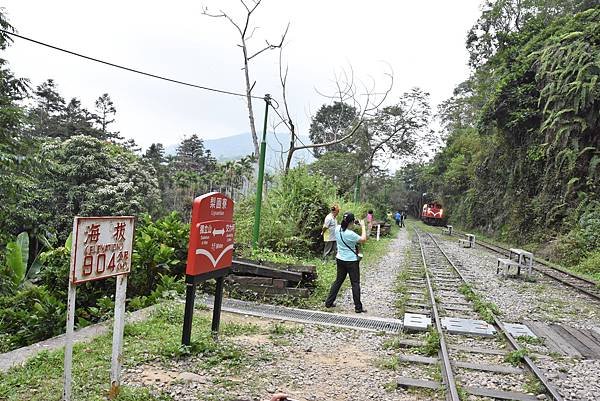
261 175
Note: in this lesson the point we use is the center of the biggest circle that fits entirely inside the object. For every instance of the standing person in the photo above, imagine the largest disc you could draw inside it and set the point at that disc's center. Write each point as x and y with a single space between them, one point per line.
328 231
398 217
402 218
347 260
369 222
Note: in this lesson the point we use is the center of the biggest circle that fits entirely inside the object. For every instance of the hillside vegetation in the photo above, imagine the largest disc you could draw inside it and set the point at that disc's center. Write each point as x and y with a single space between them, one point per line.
522 158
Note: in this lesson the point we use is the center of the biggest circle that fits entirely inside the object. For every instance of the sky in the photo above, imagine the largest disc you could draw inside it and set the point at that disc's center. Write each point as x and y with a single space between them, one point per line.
422 42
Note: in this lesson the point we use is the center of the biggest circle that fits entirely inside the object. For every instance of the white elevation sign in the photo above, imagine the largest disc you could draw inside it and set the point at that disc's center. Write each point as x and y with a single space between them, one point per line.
102 248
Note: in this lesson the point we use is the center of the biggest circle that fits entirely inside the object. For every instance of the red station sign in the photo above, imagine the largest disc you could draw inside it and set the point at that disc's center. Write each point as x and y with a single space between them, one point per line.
211 234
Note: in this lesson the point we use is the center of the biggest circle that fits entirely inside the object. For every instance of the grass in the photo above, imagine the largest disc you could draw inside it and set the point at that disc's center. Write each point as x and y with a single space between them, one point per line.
515 358
280 329
391 363
531 340
401 289
533 385
432 343
154 340
485 309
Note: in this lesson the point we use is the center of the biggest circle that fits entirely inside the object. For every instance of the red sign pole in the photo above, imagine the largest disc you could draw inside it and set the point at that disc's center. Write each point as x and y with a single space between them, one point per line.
210 253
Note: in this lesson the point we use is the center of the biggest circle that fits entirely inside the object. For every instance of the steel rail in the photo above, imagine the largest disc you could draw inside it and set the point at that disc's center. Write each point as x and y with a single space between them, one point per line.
452 391
552 391
549 270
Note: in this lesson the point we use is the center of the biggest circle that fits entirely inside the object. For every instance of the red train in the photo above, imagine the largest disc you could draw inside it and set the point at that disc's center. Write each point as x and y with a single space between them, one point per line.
433 213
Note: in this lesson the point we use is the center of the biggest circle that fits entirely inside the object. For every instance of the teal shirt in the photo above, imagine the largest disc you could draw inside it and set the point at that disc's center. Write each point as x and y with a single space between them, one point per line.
346 253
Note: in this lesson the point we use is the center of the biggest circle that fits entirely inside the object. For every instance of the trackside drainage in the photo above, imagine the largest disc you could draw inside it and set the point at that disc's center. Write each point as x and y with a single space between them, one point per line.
308 316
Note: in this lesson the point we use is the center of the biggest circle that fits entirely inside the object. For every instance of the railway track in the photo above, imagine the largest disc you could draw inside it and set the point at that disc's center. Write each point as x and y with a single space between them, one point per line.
579 283
470 357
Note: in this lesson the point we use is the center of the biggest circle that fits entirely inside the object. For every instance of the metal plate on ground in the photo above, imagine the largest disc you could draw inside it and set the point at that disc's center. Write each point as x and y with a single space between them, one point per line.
518 330
353 321
416 322
455 325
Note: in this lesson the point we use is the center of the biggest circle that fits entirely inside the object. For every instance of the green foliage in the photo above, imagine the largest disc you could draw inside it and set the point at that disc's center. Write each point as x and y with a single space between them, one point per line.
160 249
291 217
432 343
15 260
281 329
88 177
522 145
330 123
590 265
487 310
516 357
31 314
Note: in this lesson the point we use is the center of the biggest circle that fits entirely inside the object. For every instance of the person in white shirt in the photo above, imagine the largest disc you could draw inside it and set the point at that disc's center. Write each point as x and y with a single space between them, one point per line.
328 232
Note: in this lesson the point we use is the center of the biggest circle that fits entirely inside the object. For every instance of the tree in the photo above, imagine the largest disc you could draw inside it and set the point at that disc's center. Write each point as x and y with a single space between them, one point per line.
16 146
89 177
106 111
246 31
331 123
46 115
192 156
397 131
78 121
339 167
364 102
501 18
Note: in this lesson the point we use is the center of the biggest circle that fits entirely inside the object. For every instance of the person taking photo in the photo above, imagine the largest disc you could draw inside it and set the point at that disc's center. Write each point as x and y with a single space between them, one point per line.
348 260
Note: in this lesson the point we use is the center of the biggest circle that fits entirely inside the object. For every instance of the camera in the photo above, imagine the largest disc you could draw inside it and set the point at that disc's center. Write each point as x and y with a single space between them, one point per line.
356 222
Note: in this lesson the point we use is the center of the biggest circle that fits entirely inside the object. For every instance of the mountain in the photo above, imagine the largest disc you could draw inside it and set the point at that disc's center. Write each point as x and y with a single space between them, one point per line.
237 146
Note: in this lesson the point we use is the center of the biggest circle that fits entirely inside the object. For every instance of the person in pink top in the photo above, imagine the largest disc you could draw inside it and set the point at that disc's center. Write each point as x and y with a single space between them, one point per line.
369 222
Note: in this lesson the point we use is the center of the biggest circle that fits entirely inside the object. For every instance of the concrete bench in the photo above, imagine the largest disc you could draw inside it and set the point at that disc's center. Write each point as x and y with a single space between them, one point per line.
447 230
504 266
467 243
523 258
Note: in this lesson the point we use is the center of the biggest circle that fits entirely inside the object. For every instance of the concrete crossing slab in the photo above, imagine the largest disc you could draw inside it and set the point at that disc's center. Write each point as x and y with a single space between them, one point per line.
518 330
455 325
416 322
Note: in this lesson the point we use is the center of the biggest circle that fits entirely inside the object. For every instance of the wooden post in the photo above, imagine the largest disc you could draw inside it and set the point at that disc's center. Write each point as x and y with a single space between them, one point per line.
67 380
118 328
378 231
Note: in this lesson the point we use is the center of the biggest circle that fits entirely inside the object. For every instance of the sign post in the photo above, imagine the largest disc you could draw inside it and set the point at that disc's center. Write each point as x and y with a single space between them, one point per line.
210 253
102 248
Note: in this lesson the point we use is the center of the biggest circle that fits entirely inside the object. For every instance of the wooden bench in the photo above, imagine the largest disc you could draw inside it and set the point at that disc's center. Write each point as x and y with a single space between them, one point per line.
467 243
447 230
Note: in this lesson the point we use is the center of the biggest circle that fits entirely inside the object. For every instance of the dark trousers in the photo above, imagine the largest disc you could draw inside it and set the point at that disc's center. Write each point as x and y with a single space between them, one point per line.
402 223
330 248
346 268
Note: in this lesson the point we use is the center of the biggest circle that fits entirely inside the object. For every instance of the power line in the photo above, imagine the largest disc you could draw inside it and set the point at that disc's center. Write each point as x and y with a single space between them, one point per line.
127 68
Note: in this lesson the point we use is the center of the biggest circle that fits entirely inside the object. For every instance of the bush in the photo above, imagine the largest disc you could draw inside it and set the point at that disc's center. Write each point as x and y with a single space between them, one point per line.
292 215
583 240
31 315
160 248
590 265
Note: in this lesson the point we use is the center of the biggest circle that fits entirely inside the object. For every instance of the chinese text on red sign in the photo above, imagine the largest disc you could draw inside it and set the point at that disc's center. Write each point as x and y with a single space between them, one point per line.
211 234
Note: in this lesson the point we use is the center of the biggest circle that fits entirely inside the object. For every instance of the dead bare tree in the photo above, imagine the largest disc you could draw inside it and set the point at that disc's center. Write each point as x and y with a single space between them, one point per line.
396 131
366 102
246 31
